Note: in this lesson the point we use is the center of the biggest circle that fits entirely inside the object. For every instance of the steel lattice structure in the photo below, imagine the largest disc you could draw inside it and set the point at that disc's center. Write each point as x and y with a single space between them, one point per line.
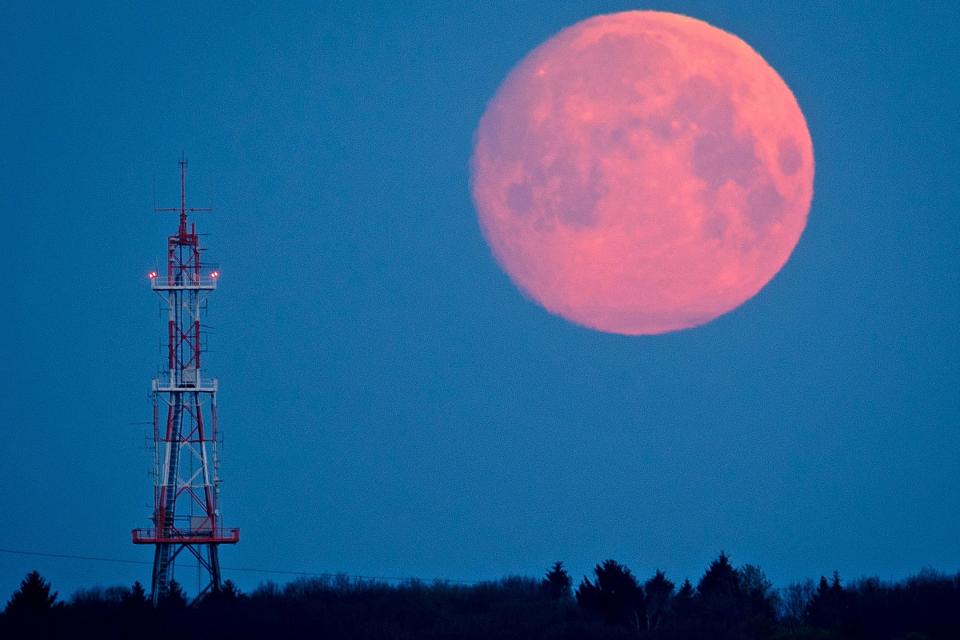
186 490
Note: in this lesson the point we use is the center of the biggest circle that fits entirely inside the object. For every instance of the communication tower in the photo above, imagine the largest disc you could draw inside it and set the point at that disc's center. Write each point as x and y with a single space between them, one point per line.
186 488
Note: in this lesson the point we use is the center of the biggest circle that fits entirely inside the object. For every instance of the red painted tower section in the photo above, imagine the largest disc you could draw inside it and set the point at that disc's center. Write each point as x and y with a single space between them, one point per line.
186 516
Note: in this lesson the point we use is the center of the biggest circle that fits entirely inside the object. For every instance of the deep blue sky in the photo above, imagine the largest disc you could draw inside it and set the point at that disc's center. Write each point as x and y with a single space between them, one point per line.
392 405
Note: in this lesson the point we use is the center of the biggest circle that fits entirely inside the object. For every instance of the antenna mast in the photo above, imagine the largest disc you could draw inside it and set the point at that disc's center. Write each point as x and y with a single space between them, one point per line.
186 515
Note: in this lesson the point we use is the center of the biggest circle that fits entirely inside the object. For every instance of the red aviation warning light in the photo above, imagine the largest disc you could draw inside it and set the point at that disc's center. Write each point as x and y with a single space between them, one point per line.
186 492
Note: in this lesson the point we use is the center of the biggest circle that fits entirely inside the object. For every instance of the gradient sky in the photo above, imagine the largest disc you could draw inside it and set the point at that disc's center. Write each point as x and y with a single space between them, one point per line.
391 404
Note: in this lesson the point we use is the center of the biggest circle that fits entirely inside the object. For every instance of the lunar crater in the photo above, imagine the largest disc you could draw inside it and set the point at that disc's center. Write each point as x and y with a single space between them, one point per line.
705 106
719 157
564 193
789 157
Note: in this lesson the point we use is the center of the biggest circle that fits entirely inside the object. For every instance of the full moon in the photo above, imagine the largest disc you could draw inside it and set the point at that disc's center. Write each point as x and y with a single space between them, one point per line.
642 172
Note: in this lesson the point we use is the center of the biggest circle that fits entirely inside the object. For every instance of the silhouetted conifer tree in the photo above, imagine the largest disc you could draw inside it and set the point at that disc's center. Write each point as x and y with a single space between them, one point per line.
614 593
33 598
683 600
759 600
657 595
827 607
719 598
230 591
174 598
227 595
136 598
683 620
557 583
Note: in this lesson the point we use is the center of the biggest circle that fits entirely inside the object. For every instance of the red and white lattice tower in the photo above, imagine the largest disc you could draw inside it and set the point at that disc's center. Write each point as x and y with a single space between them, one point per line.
186 515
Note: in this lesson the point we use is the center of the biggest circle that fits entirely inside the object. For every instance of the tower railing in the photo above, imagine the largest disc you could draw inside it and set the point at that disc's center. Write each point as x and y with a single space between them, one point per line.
152 535
202 283
164 384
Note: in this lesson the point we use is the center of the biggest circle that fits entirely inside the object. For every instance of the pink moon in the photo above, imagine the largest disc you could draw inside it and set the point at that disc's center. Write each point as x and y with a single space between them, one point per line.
642 172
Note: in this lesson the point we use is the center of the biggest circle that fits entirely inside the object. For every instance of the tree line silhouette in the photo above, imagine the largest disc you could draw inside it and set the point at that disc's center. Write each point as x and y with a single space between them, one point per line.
727 603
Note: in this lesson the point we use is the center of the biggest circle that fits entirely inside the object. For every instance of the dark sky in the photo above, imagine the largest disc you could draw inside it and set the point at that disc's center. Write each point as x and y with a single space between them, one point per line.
391 404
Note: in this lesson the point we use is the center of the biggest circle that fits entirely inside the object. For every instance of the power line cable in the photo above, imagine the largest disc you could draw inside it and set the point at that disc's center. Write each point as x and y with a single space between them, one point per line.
71 557
315 574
